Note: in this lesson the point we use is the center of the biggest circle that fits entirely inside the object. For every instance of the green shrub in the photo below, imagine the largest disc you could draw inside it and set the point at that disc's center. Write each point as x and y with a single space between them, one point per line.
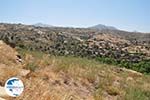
31 66
142 66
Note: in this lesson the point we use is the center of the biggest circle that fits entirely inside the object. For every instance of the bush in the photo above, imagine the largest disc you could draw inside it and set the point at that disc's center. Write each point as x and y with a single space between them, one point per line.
142 66
31 67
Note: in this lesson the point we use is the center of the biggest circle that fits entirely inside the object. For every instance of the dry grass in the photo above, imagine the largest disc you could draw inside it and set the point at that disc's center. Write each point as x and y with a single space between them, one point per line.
8 55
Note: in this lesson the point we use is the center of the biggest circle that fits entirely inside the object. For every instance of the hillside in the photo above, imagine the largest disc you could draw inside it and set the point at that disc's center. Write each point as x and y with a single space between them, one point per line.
130 50
84 63
45 76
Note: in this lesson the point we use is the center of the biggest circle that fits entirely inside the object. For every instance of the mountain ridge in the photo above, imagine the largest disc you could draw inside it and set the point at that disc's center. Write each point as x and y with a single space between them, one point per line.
103 27
42 25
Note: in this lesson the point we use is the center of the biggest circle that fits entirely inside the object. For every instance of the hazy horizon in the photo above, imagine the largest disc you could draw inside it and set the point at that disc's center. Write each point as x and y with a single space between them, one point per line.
124 15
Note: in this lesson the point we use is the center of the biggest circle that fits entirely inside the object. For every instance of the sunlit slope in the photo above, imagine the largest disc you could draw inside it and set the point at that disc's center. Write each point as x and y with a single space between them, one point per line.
48 77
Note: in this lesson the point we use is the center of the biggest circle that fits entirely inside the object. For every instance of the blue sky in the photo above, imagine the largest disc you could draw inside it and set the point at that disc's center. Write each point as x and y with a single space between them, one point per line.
128 15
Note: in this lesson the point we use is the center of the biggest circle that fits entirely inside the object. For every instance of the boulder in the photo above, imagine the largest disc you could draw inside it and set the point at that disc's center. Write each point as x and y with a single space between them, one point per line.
3 93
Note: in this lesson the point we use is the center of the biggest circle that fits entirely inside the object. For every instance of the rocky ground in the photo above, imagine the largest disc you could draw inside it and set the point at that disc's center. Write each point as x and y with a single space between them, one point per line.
61 63
70 41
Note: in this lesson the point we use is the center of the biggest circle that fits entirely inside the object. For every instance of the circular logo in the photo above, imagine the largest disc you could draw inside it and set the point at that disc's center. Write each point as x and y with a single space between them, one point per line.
14 87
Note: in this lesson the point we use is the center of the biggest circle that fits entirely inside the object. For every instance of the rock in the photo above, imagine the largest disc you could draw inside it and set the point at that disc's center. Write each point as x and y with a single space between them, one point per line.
1 98
19 59
131 71
129 79
24 72
3 92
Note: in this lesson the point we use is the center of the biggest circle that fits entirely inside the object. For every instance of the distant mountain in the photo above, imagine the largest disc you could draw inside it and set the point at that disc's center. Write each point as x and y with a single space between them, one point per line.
103 27
42 25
